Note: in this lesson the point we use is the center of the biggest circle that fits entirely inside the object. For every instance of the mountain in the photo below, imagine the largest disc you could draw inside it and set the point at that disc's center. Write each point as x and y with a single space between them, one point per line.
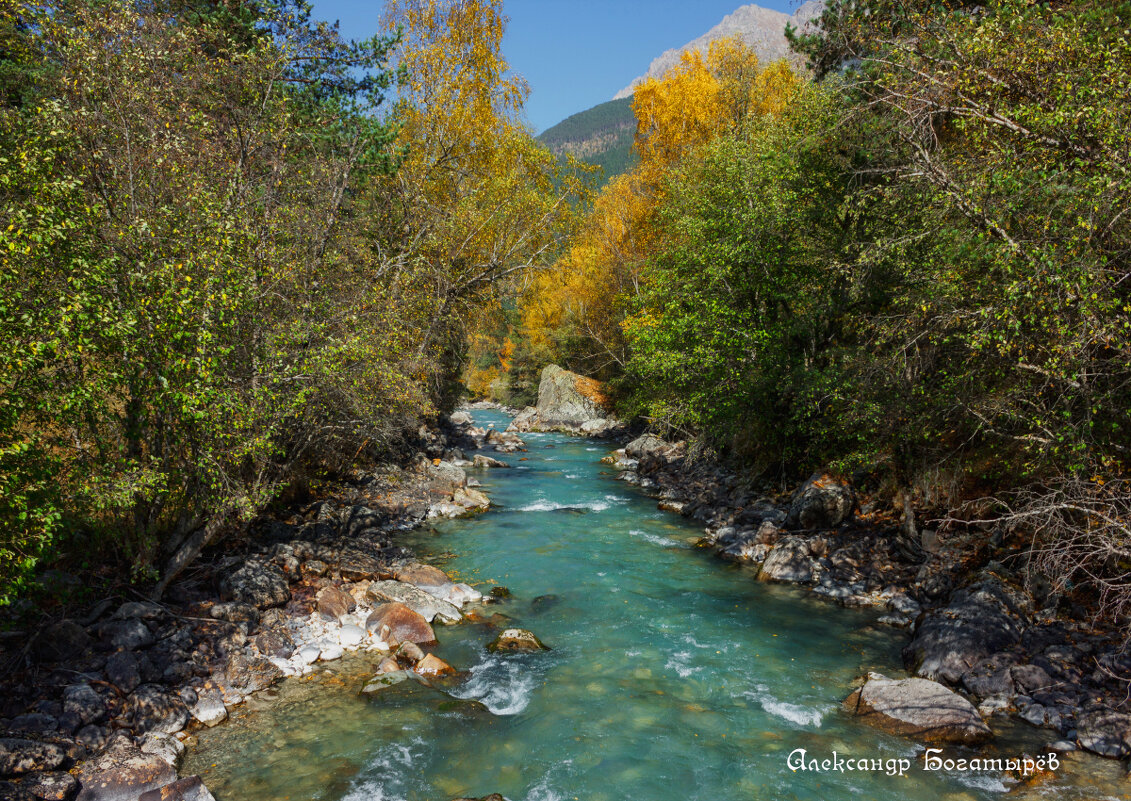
761 28
601 135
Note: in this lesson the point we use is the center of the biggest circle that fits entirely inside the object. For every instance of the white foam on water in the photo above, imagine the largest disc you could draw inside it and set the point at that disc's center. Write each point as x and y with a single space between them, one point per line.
655 539
680 662
976 781
794 713
388 773
504 686
550 506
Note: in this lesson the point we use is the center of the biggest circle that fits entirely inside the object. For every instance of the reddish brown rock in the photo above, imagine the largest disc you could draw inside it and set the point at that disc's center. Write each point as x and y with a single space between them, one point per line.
334 604
404 624
423 575
432 666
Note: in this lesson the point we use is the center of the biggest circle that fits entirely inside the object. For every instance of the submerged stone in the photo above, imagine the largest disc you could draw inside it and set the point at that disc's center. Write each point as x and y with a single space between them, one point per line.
517 640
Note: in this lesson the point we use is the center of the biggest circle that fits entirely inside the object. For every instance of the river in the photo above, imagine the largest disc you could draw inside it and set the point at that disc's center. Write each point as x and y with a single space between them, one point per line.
671 675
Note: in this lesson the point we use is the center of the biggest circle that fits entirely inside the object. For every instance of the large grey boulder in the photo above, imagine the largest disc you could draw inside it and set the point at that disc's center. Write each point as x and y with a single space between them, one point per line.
566 398
789 561
1105 732
647 445
567 402
122 773
259 585
423 603
980 620
918 708
19 756
823 501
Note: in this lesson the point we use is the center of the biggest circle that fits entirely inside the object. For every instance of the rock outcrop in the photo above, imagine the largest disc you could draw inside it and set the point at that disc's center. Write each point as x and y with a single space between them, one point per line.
918 708
569 403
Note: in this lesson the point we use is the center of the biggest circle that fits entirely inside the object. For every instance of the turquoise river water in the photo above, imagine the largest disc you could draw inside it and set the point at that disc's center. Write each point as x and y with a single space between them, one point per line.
671 676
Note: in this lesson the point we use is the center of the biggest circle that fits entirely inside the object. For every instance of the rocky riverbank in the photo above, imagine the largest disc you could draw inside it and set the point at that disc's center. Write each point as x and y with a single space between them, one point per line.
98 707
977 638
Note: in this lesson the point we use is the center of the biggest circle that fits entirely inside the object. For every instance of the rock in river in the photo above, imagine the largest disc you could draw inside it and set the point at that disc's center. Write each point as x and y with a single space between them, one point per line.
432 666
424 603
190 788
422 575
404 624
919 708
123 773
517 640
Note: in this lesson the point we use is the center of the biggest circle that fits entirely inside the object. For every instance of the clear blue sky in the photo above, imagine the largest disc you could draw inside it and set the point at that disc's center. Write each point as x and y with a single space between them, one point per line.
575 53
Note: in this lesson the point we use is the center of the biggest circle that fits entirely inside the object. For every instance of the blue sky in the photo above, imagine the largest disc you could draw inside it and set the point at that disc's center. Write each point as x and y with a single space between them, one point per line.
575 53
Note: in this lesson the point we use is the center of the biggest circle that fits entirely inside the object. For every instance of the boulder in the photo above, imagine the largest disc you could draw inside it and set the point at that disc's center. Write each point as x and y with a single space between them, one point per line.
19 756
53 786
152 709
456 593
84 704
123 672
524 420
9 791
980 620
991 677
404 624
64 641
234 612
1105 732
334 604
444 476
123 773
260 585
432 667
789 561
354 565
423 603
471 499
824 501
421 575
647 445
597 429
460 418
163 745
125 635
486 462
516 640
245 674
408 653
566 402
919 708
209 708
275 642
384 680
566 398
190 788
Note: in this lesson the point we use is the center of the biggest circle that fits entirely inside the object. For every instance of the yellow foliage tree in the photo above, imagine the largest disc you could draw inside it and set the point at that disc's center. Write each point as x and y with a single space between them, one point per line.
478 197
701 98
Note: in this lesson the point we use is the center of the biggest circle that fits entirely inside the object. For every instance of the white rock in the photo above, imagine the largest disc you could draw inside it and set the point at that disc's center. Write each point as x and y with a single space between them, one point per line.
331 652
209 708
351 636
309 654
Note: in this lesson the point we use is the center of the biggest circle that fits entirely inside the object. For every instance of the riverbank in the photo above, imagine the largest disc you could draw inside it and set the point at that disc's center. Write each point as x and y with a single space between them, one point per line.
98 707
972 625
